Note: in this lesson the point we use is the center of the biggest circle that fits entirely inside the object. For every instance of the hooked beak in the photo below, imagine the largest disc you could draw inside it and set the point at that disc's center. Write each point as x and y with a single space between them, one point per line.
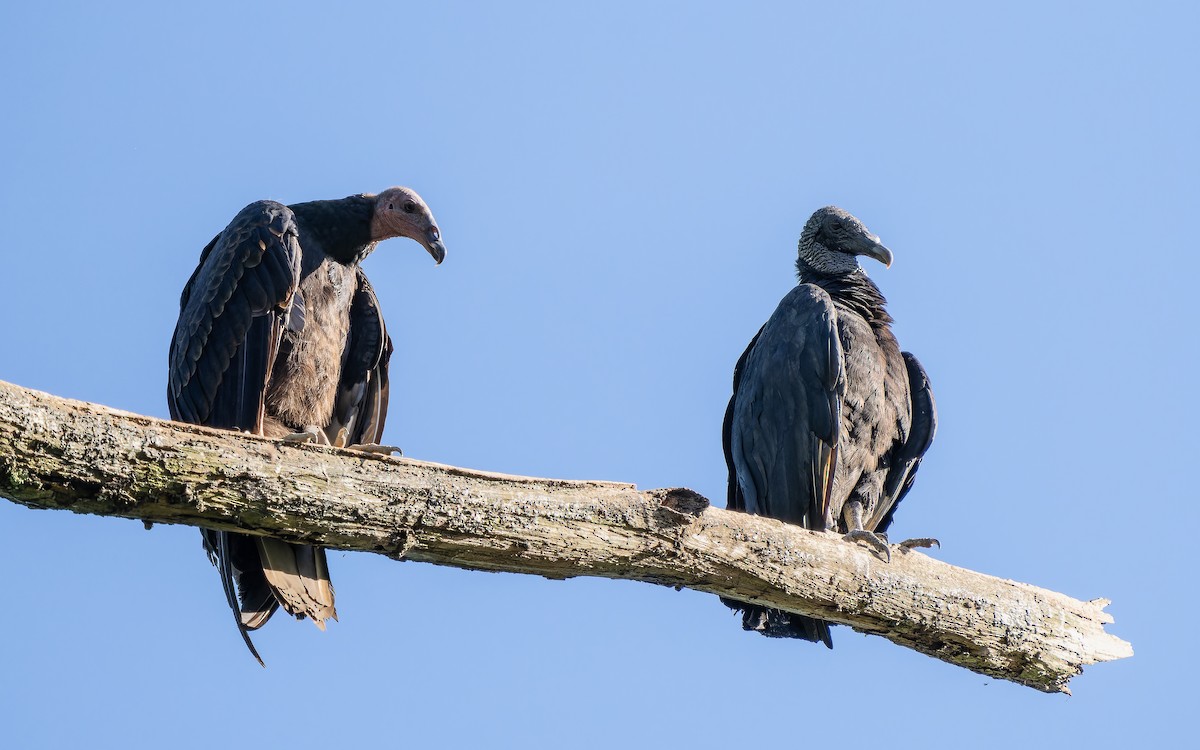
870 246
433 243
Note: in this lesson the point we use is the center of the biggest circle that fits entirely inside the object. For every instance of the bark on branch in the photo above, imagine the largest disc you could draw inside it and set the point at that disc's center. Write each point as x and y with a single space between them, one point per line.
57 453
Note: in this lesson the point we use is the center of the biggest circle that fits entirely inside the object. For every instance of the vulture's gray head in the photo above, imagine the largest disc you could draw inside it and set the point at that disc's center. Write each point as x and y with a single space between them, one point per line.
832 239
400 212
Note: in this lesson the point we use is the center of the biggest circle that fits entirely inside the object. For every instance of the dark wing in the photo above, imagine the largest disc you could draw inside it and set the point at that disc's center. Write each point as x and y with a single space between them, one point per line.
785 421
232 314
362 400
900 477
734 499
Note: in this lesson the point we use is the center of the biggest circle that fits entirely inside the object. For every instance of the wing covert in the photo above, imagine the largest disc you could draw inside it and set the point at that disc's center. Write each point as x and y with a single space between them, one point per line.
784 420
232 313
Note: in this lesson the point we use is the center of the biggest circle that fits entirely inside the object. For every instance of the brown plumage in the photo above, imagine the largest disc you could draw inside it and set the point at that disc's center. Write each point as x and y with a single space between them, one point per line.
280 334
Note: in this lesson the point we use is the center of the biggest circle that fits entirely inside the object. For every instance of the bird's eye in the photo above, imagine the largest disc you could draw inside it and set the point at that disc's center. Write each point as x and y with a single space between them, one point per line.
390 207
410 207
837 226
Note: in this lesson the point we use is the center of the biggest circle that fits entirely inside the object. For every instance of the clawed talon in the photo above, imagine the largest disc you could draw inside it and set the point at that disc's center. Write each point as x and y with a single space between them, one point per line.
343 437
339 441
924 541
375 448
872 540
310 434
853 511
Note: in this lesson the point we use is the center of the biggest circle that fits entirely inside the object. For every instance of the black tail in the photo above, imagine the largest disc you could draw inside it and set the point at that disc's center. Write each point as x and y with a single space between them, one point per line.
228 553
775 623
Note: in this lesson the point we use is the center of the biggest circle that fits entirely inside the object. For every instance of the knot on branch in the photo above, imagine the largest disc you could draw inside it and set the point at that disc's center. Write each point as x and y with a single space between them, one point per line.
682 505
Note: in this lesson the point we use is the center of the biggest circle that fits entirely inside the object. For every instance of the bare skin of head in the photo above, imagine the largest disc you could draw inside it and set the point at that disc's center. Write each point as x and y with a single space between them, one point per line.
400 212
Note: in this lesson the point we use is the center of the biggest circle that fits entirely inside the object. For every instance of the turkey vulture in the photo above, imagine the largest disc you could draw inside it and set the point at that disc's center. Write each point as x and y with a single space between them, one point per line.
280 334
829 419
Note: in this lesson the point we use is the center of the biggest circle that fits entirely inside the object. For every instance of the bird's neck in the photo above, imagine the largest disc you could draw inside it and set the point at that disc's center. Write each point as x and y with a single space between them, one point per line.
342 227
853 290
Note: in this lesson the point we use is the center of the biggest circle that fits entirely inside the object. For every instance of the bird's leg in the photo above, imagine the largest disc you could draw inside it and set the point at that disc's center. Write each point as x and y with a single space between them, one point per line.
852 512
381 450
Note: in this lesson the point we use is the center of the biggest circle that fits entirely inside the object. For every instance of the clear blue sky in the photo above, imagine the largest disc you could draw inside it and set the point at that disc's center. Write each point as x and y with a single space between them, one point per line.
620 189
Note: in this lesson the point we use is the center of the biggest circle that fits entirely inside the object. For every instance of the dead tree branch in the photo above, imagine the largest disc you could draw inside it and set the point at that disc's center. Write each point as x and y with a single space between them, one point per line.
56 453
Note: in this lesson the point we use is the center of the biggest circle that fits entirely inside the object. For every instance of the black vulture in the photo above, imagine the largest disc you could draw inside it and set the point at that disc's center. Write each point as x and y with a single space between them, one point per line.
280 334
829 419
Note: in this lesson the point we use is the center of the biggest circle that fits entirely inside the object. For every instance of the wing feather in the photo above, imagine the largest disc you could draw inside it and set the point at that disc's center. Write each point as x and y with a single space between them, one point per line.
231 317
784 420
232 313
734 499
900 477
362 402
781 430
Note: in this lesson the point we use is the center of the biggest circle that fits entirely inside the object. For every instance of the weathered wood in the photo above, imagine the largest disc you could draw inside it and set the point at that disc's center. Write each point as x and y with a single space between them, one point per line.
56 453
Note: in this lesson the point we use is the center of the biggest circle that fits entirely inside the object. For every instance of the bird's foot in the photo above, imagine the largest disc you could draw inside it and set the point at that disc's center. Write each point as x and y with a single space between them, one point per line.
342 437
926 542
872 540
310 434
375 448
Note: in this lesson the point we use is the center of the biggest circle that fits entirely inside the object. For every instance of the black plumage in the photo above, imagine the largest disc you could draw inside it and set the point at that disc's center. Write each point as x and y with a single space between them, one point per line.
280 334
829 419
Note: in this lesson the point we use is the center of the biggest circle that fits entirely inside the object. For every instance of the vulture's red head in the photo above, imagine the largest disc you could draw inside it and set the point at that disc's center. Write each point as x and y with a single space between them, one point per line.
400 212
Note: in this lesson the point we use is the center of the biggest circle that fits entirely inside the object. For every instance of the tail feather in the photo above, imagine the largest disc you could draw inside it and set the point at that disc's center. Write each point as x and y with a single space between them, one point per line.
259 574
256 602
775 623
221 547
324 583
299 577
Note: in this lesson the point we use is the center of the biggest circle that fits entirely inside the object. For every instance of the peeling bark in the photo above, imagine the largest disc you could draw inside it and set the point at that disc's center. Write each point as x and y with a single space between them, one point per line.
57 453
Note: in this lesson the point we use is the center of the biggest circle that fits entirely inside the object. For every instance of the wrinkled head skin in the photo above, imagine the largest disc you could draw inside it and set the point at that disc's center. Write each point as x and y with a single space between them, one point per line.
400 212
831 240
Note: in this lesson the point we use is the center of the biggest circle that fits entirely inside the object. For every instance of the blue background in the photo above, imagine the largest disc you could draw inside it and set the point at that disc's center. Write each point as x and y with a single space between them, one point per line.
620 187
